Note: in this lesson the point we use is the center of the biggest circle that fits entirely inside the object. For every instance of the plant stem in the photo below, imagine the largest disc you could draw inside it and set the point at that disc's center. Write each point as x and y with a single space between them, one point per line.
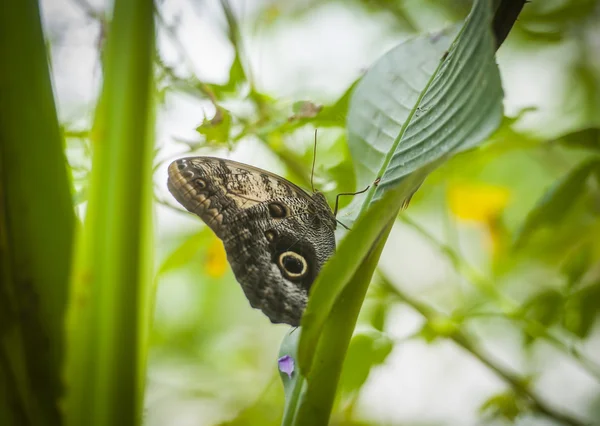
469 343
112 279
36 224
509 307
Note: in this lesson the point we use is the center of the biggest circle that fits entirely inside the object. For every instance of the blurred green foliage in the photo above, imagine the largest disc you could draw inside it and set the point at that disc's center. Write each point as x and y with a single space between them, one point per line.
536 268
512 225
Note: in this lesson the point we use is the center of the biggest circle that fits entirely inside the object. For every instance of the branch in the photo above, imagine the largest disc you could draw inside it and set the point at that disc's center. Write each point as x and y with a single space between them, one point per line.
505 17
509 308
470 344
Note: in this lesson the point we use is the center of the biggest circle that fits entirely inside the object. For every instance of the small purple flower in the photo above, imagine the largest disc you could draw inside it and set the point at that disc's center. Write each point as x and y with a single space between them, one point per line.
286 365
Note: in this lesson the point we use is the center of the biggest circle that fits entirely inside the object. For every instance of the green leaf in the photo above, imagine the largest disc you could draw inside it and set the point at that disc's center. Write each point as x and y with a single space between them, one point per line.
503 405
383 129
400 130
109 313
584 91
545 308
427 333
217 129
367 349
553 207
439 326
37 223
237 77
385 100
582 309
346 263
423 101
577 264
376 307
332 311
588 138
309 396
334 115
185 251
265 410
317 401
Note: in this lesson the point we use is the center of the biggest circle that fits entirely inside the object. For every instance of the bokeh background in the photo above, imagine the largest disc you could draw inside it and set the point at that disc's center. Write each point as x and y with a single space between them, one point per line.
474 253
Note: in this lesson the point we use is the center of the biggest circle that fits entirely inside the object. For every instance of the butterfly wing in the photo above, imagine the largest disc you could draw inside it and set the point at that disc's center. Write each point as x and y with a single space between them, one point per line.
277 237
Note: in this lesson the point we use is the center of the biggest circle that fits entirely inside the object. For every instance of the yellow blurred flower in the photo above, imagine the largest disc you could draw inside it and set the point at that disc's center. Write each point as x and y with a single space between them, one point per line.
481 203
477 202
216 259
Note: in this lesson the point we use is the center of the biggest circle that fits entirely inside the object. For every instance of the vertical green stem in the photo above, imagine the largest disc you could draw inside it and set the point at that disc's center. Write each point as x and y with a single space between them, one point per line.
318 398
112 275
36 224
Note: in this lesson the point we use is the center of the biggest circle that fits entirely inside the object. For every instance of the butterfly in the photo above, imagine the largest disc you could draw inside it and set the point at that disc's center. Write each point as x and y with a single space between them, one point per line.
276 235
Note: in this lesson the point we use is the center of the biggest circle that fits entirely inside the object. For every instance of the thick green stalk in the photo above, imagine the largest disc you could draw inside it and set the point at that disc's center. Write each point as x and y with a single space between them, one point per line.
112 275
318 398
36 224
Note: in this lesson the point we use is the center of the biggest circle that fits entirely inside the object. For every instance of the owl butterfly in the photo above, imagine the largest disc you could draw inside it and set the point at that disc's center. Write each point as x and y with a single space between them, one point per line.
276 235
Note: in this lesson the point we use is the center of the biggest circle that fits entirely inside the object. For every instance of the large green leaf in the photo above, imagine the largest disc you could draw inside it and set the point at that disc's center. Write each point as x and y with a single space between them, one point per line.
346 264
417 106
321 384
425 100
443 82
36 224
331 314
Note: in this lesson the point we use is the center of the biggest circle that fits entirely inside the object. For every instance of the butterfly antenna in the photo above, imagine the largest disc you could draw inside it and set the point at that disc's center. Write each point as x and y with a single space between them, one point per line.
342 224
312 173
337 198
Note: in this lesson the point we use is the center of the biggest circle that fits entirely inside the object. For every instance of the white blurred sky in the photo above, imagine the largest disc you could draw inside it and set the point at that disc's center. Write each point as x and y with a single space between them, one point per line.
316 58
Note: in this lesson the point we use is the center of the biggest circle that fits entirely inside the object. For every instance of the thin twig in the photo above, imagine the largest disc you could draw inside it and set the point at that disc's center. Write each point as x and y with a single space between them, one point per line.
509 308
470 344
189 63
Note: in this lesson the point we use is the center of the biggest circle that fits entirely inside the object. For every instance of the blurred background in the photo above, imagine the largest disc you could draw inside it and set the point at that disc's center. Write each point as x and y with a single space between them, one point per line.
485 307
